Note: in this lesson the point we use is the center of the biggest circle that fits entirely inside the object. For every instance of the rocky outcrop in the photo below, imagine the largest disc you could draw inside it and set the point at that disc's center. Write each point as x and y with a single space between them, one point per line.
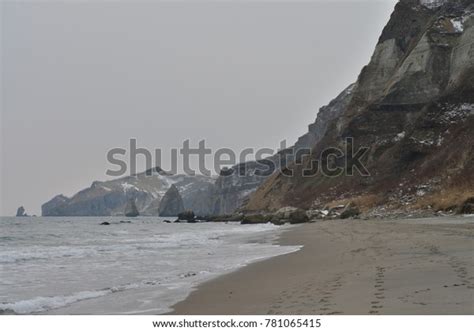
172 203
131 209
290 215
21 212
109 198
412 107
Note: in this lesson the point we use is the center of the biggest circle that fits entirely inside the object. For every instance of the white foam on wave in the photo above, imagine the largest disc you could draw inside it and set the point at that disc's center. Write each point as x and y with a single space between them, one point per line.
41 304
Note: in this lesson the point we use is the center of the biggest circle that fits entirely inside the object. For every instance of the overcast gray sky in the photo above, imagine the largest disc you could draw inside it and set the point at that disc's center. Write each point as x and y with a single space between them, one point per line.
79 78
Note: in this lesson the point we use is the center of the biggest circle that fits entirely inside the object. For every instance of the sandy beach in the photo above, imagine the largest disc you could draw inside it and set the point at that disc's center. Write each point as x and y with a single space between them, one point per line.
423 266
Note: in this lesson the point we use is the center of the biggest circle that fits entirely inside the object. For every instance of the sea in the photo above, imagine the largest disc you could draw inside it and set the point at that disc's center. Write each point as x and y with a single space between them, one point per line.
74 265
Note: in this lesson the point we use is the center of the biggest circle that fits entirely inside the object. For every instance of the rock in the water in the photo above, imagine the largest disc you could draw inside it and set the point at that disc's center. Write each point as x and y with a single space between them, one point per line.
187 215
104 223
467 207
131 209
21 212
172 203
166 221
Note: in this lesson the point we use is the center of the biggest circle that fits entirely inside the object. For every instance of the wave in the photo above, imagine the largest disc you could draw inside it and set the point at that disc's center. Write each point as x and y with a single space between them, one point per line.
41 304
157 242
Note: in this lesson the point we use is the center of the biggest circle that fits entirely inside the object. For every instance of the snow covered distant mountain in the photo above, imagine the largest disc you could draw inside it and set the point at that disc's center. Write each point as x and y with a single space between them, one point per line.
109 198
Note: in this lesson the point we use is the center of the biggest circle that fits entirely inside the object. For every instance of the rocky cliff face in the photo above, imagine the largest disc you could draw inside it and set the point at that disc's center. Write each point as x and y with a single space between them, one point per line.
234 186
172 203
109 198
413 108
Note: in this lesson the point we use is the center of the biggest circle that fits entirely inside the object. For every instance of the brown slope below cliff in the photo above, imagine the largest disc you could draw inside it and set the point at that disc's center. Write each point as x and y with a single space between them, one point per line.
413 107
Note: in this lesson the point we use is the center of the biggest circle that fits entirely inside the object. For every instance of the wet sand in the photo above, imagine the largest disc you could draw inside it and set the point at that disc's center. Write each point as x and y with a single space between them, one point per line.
423 266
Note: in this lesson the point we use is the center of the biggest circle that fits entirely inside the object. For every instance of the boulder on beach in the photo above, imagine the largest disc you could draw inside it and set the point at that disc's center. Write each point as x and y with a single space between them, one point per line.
298 216
350 211
290 214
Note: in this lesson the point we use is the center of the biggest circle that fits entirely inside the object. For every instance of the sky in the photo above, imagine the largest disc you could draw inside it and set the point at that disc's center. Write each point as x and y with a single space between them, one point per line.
79 78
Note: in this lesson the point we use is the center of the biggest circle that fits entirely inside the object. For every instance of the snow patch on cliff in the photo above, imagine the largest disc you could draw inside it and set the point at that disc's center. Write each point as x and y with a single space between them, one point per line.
457 25
432 4
127 186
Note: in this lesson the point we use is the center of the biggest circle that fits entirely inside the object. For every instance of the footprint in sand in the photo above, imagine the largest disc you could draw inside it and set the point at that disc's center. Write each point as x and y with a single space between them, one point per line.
292 300
326 302
460 269
379 294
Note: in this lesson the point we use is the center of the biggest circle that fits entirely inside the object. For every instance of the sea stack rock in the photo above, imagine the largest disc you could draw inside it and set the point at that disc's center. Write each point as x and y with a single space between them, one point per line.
172 203
21 212
131 209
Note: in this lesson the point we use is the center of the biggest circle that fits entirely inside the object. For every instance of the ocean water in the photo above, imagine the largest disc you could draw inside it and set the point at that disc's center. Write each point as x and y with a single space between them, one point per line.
67 265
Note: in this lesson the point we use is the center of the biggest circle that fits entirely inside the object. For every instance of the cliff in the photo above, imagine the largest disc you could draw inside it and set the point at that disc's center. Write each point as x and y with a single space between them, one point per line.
412 108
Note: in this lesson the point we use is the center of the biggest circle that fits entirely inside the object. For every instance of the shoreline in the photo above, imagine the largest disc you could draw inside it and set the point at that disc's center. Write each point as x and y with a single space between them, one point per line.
417 266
